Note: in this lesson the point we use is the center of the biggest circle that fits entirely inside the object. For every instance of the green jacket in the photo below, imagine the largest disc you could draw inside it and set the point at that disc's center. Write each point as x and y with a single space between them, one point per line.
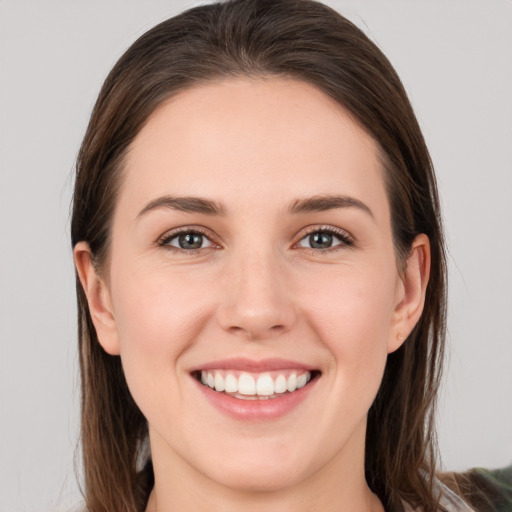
487 490
478 490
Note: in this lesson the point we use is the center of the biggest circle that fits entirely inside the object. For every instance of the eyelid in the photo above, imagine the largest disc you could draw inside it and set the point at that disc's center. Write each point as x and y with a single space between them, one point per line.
173 233
346 238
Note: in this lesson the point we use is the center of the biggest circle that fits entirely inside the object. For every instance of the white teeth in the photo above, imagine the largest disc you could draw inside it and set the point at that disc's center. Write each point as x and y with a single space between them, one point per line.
280 384
265 385
302 380
246 384
291 383
252 386
219 382
231 383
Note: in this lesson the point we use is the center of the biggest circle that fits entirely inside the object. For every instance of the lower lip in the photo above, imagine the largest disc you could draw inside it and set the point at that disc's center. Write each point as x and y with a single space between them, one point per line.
253 410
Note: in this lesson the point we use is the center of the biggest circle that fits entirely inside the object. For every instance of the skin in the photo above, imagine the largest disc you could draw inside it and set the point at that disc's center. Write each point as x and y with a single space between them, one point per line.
257 290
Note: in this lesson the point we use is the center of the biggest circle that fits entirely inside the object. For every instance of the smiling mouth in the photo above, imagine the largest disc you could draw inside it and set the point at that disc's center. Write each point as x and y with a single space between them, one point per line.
255 386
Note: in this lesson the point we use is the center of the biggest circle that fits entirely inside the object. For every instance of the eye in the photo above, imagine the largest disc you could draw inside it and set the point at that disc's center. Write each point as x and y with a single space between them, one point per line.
188 240
323 239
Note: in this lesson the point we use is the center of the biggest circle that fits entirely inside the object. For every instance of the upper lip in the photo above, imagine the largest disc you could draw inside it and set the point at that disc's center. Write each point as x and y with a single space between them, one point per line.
251 365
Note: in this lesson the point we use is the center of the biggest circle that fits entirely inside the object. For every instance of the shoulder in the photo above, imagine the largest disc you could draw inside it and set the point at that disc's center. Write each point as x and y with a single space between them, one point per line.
483 489
477 490
449 501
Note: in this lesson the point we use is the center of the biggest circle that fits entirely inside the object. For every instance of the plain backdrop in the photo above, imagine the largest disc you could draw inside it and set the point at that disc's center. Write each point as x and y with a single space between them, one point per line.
455 59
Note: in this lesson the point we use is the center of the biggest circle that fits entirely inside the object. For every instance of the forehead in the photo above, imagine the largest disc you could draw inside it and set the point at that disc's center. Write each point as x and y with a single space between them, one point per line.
247 138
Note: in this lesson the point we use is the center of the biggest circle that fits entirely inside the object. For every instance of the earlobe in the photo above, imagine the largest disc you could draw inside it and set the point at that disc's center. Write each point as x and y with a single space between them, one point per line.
411 292
98 299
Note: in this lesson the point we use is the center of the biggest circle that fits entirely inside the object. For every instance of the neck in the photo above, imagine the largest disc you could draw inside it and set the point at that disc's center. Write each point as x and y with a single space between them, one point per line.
254 502
338 486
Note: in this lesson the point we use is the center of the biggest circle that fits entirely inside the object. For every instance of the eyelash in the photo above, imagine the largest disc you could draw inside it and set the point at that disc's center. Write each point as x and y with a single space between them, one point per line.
345 239
165 240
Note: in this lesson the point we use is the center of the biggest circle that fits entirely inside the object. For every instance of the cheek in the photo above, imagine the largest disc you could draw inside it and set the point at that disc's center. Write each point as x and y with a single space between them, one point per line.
158 316
353 304
157 306
352 317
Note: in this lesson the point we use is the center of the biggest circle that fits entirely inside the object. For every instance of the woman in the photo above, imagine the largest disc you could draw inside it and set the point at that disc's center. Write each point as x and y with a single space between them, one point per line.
262 278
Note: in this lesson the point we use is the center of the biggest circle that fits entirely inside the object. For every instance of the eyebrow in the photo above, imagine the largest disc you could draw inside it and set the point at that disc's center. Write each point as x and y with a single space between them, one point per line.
319 203
184 204
322 203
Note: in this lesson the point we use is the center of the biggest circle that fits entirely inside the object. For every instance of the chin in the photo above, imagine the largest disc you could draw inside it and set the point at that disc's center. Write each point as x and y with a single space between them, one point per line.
271 477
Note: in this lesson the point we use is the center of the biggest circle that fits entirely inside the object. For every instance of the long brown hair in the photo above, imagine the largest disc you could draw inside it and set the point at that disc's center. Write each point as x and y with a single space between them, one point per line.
299 39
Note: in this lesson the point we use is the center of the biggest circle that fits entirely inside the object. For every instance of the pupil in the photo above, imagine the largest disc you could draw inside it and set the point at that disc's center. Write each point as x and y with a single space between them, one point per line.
190 241
320 240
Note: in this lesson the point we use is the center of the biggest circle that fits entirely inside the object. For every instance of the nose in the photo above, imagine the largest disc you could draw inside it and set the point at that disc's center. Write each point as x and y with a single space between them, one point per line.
257 299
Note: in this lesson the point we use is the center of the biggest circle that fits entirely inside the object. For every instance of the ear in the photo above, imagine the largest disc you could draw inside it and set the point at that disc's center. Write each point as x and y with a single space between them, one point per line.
410 293
98 299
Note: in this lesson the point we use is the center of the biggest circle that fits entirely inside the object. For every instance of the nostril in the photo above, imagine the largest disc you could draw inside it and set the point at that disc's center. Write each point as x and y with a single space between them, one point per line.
257 310
257 332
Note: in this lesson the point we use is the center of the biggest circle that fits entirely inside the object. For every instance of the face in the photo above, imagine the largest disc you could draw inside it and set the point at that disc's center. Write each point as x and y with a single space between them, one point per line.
253 291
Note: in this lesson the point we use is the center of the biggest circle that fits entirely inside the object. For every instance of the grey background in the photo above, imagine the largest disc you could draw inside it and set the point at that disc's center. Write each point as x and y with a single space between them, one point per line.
455 59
